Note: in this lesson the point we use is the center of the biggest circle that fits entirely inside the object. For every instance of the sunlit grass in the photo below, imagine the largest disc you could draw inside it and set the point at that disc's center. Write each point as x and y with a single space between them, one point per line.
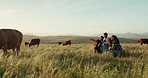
75 61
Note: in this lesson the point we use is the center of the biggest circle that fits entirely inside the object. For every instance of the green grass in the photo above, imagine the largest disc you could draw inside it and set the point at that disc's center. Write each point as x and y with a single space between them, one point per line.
75 61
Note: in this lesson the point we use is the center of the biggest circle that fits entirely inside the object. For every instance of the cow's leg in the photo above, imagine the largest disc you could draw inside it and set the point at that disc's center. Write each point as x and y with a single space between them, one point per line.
29 45
17 50
5 49
141 43
13 51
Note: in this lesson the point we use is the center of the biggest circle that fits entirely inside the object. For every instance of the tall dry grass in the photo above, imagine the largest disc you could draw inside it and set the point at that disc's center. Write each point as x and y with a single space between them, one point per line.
75 61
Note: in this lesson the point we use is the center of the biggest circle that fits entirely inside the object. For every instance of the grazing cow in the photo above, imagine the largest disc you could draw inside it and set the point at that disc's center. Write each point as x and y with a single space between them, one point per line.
10 39
26 43
143 41
34 42
59 43
68 42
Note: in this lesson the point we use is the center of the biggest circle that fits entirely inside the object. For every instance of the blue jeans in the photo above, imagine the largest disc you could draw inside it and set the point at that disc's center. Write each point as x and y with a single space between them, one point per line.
105 47
101 48
116 52
97 50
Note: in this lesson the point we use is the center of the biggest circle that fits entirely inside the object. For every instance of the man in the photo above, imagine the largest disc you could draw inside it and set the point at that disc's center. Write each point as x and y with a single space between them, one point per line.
98 45
105 42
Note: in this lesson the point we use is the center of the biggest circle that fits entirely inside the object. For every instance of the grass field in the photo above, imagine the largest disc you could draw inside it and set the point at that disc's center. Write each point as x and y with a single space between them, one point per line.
75 61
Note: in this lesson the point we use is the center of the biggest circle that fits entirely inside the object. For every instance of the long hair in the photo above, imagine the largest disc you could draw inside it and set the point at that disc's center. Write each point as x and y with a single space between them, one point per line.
116 38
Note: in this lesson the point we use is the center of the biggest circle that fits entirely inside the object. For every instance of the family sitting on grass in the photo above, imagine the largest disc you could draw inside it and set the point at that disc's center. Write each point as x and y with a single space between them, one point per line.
108 44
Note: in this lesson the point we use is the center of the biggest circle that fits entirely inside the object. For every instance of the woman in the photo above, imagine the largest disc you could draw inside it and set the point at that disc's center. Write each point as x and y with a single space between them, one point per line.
116 48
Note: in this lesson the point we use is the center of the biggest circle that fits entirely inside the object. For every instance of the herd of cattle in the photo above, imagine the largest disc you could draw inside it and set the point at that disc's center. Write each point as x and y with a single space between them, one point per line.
36 41
12 39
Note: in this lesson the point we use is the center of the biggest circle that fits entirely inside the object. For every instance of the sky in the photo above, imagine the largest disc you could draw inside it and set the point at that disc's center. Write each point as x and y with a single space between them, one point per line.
74 17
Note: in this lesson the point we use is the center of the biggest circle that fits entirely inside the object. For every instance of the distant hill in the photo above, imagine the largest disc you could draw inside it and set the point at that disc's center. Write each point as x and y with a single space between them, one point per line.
75 39
133 35
126 35
145 34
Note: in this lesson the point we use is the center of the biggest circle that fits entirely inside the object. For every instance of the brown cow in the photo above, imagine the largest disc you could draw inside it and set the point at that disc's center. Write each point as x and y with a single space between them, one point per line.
34 42
59 43
26 43
10 39
143 41
68 42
